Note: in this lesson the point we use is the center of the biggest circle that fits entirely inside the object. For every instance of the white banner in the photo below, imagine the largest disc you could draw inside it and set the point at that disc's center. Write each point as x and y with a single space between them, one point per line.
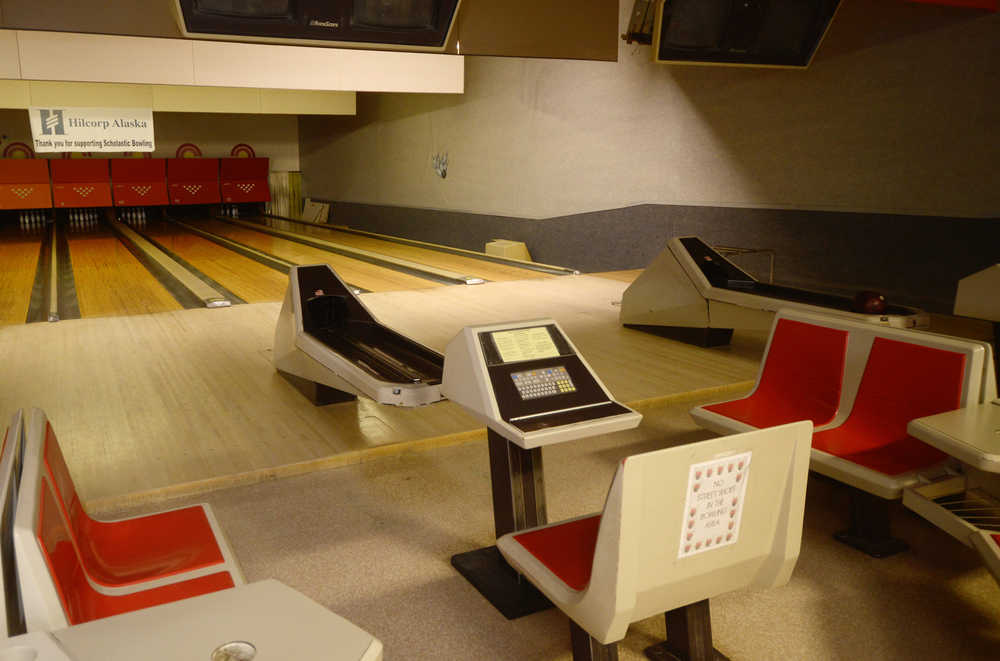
92 129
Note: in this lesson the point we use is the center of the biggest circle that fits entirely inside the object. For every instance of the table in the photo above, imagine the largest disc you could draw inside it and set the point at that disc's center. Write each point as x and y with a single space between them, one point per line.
281 623
970 434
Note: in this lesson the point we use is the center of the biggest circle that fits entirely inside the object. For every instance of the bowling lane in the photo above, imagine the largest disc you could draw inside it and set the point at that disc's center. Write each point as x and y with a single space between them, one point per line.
250 280
109 280
19 249
465 265
358 273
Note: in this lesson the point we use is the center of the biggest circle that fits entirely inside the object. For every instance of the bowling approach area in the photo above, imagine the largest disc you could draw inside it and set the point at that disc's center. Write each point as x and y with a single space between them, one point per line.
159 402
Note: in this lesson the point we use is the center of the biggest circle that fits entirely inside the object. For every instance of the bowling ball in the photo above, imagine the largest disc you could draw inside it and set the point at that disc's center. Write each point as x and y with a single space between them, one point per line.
869 302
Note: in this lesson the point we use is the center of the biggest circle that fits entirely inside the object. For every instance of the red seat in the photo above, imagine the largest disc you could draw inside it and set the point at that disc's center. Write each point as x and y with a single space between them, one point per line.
901 381
136 549
801 379
566 549
80 601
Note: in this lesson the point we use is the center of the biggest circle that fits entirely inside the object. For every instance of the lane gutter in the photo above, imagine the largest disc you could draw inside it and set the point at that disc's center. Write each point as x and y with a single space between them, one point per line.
385 261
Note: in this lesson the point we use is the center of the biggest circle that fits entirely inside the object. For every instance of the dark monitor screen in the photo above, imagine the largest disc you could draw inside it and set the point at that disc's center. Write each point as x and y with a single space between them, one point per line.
245 8
697 23
775 32
394 14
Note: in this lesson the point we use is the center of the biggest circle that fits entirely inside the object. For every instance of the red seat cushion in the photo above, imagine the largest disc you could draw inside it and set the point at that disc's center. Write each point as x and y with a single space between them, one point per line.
801 380
901 381
80 600
567 549
136 549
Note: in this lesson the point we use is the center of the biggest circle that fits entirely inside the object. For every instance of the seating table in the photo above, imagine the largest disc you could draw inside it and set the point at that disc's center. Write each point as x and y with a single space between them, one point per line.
971 435
281 623
867 386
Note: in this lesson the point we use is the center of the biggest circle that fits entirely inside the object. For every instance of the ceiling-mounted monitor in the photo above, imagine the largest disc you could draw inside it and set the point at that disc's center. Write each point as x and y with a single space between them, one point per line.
415 25
782 33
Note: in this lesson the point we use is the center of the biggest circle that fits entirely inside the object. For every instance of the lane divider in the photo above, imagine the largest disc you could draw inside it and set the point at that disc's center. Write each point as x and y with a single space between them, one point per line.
267 259
396 263
209 296
53 278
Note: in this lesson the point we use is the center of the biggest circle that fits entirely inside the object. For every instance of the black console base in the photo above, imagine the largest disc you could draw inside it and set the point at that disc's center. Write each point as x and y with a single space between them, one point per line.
317 393
869 531
689 636
702 337
509 592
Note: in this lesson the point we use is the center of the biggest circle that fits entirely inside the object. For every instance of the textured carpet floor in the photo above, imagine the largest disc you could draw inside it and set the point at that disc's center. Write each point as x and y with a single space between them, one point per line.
372 542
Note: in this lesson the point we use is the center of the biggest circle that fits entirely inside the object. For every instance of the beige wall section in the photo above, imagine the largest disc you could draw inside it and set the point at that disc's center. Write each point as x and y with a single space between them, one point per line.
15 94
10 65
273 136
897 113
79 57
177 98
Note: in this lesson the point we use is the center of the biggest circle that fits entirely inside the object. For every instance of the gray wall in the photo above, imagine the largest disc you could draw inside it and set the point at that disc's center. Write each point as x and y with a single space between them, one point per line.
913 260
874 168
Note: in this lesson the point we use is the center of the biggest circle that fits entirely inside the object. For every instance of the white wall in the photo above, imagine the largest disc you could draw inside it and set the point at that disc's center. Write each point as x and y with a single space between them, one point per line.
273 136
897 113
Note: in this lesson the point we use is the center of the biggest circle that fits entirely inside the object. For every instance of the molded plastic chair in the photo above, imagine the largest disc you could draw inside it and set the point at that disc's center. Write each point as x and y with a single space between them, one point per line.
129 553
672 536
800 379
55 589
11 614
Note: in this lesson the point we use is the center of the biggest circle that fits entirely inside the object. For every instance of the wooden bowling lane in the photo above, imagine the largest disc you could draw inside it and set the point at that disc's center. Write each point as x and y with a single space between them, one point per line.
19 251
110 281
250 280
466 265
358 273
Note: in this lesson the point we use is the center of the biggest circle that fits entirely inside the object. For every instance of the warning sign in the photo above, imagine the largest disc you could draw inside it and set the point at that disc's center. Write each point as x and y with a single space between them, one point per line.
714 507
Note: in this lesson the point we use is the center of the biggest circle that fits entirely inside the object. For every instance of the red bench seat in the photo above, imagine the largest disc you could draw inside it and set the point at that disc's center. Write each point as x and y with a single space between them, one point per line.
800 380
143 548
80 601
567 548
890 376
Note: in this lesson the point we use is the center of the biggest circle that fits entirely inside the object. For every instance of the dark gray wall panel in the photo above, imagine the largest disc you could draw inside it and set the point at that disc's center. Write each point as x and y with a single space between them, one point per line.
914 260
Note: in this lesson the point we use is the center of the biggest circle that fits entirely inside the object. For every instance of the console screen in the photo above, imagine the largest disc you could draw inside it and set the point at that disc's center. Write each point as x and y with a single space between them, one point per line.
524 344
543 382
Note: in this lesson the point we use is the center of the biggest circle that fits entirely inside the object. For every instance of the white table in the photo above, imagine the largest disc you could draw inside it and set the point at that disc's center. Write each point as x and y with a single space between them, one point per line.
970 434
281 623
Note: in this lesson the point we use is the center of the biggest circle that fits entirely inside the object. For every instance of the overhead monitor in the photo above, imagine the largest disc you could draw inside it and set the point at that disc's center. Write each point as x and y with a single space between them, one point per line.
784 33
419 25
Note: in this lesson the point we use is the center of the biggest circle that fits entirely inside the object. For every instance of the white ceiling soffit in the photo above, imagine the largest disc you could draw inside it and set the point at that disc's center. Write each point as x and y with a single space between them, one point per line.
117 59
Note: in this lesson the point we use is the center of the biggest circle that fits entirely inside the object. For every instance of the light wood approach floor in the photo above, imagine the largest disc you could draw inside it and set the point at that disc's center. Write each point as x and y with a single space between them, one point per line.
622 276
148 406
357 272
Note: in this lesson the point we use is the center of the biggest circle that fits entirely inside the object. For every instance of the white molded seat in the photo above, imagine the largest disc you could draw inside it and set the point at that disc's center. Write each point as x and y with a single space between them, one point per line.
11 615
56 588
643 554
138 552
